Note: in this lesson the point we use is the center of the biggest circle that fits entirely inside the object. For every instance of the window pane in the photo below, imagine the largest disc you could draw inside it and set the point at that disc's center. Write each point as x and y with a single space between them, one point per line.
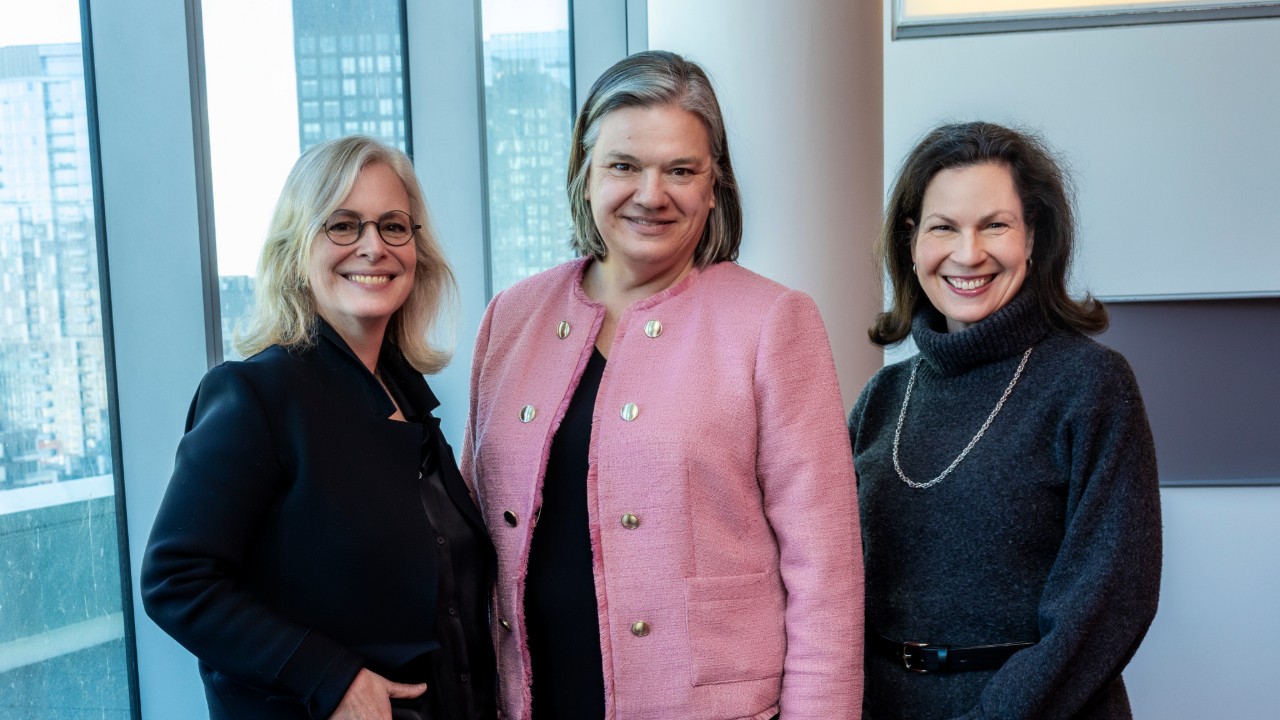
528 123
62 650
302 72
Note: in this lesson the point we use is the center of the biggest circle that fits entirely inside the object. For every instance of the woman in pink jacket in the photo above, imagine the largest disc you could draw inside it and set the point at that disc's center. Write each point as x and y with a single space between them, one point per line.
657 438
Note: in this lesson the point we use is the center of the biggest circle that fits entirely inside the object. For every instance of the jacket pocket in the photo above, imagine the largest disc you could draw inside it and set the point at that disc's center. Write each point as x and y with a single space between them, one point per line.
737 628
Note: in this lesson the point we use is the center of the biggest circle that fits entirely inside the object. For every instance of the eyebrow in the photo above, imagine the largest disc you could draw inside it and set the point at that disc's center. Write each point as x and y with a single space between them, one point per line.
617 156
380 216
983 219
632 159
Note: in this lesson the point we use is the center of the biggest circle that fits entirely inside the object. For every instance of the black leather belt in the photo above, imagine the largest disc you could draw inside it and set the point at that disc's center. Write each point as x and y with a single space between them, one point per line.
924 657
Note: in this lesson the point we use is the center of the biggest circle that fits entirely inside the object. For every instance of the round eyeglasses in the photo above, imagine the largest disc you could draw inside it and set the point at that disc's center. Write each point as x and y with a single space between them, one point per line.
345 227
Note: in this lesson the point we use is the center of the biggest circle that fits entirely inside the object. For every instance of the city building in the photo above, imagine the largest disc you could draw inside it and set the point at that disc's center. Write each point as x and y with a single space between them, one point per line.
528 128
53 391
350 73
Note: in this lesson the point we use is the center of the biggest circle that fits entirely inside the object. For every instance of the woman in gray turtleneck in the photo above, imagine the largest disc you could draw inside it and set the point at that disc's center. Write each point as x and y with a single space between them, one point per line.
1006 474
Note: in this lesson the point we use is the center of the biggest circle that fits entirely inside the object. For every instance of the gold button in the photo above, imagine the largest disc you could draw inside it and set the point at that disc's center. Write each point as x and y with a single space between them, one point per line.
653 328
630 412
511 518
506 624
630 522
527 414
562 330
639 628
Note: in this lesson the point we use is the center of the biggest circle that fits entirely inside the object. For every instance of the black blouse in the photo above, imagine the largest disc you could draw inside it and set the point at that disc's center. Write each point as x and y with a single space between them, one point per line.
461 676
560 593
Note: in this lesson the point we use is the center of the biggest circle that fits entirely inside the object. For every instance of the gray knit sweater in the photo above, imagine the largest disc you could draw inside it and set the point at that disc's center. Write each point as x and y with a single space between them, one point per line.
1048 531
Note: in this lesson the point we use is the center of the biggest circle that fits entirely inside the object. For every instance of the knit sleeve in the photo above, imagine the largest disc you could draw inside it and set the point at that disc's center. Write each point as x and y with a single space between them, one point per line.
1101 592
806 474
854 420
226 480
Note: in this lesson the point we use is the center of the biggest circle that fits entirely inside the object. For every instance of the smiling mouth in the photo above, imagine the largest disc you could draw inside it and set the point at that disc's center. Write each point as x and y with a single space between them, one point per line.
969 283
369 279
649 222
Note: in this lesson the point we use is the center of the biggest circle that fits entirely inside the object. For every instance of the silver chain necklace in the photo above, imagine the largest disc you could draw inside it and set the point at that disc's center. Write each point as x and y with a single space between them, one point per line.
897 433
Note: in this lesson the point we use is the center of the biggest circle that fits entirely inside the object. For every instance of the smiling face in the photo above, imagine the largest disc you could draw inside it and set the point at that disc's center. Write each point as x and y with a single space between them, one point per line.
358 287
971 247
651 187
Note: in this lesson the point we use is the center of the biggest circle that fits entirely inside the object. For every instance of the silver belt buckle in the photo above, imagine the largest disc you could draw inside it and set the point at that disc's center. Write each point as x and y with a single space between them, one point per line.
907 656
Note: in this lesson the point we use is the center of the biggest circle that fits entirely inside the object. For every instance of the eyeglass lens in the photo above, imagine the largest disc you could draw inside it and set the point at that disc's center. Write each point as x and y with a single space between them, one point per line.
344 227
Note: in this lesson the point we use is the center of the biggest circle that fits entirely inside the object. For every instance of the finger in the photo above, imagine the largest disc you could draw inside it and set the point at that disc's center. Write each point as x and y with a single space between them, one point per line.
400 690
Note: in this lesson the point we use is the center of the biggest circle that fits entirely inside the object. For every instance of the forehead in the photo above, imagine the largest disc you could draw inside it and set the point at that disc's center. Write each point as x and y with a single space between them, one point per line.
655 131
377 184
972 189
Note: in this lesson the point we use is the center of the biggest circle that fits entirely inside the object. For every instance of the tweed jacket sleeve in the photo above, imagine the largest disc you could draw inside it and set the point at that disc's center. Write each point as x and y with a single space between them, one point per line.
1101 592
805 469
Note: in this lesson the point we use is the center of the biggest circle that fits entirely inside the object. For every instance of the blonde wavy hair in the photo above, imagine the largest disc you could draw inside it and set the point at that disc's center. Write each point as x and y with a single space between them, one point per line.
284 308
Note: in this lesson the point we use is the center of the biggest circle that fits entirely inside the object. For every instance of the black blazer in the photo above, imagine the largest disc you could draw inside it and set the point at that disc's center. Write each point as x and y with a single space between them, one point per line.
292 548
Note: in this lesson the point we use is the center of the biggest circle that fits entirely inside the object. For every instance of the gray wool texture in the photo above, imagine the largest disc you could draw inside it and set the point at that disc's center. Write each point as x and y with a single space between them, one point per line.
1048 531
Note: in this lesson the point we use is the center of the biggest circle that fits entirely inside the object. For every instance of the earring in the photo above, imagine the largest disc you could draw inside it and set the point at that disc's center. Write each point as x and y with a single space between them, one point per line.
1028 263
913 268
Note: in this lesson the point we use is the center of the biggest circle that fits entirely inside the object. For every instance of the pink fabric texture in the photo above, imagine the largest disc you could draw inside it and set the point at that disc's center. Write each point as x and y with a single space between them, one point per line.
746 562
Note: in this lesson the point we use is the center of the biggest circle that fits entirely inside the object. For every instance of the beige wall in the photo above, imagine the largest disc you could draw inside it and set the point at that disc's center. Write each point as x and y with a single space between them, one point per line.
800 91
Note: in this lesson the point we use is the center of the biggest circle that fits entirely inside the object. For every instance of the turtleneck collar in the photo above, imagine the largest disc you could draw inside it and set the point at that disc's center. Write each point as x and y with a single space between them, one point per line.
1006 332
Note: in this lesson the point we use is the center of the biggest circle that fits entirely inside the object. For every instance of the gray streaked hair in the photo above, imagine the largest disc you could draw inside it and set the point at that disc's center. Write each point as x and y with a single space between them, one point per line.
650 79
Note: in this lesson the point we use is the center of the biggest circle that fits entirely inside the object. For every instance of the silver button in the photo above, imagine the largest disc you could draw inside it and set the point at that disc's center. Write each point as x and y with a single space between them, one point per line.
630 412
630 521
562 330
653 328
527 413
640 628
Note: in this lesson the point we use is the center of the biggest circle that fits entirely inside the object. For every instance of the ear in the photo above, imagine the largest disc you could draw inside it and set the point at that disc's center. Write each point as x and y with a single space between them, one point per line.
1031 240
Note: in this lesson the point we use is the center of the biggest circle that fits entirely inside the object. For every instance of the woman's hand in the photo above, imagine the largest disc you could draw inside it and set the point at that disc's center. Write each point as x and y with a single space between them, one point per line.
369 697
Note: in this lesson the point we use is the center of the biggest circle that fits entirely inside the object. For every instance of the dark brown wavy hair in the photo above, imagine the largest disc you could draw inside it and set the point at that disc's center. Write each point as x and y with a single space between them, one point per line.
1046 196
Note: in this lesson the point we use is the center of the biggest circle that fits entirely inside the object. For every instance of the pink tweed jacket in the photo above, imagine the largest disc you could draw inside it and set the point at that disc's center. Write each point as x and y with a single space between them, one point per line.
720 493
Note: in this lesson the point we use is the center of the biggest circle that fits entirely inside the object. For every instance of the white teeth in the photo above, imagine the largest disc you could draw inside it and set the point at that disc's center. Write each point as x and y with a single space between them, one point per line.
971 284
369 279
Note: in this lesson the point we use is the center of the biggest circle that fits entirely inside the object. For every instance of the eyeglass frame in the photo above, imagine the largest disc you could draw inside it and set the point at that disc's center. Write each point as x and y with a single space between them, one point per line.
377 226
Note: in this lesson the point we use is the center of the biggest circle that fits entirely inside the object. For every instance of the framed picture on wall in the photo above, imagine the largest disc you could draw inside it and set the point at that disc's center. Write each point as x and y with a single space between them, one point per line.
928 18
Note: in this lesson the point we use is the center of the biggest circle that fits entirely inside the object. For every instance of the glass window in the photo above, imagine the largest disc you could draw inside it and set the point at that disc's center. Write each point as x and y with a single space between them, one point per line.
276 87
62 624
527 75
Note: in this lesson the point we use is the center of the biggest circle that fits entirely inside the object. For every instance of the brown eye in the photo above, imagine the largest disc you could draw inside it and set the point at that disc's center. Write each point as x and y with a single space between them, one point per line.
342 222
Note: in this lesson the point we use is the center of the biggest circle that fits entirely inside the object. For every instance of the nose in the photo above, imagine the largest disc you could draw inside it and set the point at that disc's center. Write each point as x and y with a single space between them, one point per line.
969 248
369 242
651 190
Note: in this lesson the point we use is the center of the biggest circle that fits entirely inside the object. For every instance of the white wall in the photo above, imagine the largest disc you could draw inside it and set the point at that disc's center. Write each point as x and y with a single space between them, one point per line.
1170 128
1211 651
1172 136
799 85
